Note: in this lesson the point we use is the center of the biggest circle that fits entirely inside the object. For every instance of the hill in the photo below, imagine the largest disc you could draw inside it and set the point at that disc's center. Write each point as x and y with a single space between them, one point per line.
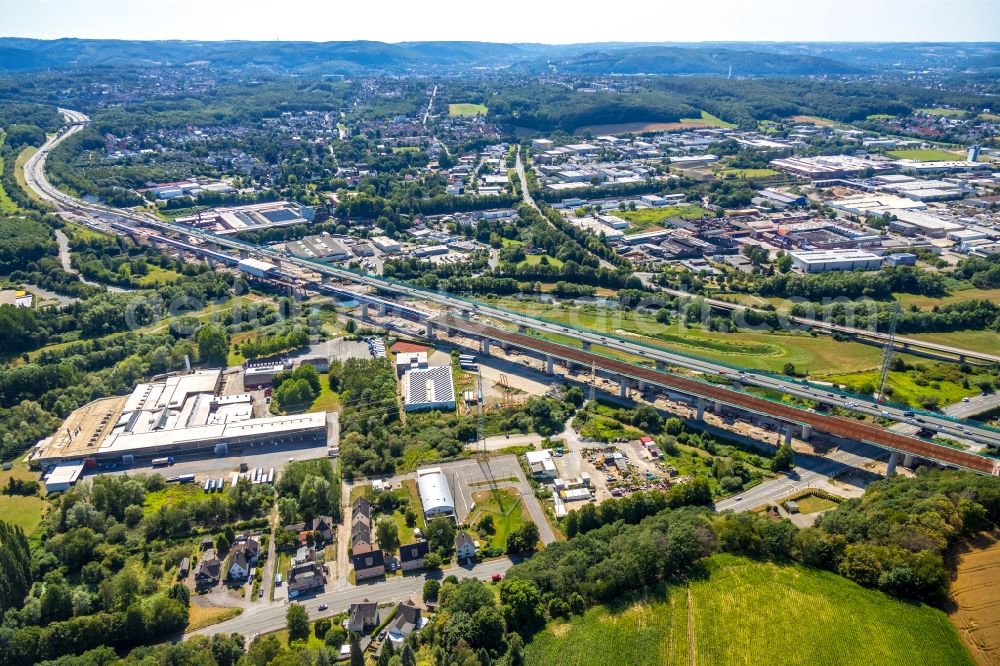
748 612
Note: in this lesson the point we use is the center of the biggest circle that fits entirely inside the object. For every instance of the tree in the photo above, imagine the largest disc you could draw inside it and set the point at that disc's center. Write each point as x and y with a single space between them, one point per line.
440 534
784 263
523 539
431 589
298 623
521 604
789 369
387 534
321 626
783 459
213 345
357 656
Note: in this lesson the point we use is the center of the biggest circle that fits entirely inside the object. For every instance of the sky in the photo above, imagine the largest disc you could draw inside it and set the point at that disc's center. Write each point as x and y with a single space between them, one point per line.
545 21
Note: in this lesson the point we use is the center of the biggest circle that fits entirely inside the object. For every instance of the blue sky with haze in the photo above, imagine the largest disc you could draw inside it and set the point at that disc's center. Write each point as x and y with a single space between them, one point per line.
548 21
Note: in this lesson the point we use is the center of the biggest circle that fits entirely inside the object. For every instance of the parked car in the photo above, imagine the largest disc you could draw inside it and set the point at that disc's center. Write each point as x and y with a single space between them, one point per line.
322 607
496 577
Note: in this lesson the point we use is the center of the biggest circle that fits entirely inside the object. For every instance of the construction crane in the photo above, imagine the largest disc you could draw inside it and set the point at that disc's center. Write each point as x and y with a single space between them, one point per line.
887 353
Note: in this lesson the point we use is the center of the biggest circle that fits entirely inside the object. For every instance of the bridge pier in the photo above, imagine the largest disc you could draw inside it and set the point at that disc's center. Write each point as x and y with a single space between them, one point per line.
788 435
325 279
623 388
660 365
486 346
961 358
908 461
466 314
244 254
505 347
893 461
700 402
717 407
382 309
807 432
522 329
548 365
429 330
364 311
586 346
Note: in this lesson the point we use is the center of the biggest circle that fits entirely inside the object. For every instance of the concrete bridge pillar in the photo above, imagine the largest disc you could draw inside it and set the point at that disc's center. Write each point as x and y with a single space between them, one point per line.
429 330
586 346
522 329
961 358
505 347
466 314
382 309
364 311
326 279
486 346
908 461
701 409
623 388
717 407
660 365
807 432
788 435
548 365
893 461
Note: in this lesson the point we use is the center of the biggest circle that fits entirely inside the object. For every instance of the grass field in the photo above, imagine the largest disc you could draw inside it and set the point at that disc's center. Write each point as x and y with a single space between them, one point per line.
200 617
746 174
312 642
24 511
814 504
328 401
928 302
507 510
172 495
406 536
706 120
924 154
905 389
406 149
880 116
467 109
748 612
814 120
643 219
535 259
948 113
7 206
157 275
991 117
987 342
819 355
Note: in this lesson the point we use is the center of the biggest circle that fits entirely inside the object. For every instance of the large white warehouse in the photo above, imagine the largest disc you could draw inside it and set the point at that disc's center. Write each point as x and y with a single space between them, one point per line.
435 495
821 261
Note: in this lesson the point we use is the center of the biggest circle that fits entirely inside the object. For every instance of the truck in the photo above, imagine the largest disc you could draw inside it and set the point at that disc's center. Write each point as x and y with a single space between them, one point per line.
163 462
244 467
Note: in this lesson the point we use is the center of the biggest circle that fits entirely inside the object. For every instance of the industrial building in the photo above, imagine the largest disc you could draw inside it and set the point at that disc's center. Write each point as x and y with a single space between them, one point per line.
61 477
233 220
179 415
822 261
435 494
319 248
431 388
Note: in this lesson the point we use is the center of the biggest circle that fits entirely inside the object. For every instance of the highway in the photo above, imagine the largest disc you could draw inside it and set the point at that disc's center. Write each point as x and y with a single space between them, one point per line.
35 176
901 342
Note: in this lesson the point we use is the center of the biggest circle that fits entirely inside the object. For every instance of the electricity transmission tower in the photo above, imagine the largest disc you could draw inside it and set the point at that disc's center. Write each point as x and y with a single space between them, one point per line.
887 353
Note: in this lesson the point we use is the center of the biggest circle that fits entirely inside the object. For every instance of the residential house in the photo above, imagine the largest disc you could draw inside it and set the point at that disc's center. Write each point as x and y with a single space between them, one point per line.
407 620
362 618
361 527
368 565
411 556
208 570
305 577
243 557
465 547
323 526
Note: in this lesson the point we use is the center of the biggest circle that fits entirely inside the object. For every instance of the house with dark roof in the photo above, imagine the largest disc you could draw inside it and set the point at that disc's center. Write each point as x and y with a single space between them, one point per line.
363 617
208 570
243 558
323 526
368 565
411 556
465 547
407 620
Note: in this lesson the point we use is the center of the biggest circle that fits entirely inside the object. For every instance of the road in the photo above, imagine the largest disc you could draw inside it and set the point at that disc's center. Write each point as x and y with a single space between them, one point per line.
67 263
264 617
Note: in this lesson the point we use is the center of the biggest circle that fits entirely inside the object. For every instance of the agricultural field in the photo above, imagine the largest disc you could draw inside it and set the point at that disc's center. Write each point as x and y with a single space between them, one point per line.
976 604
467 109
706 120
814 120
506 509
924 154
749 612
644 219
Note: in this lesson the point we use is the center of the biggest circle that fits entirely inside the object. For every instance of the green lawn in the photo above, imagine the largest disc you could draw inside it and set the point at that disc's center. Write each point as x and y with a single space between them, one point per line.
747 612
814 504
507 510
467 109
406 149
157 275
880 116
987 342
924 155
24 511
173 494
312 642
928 302
645 218
399 517
536 259
328 401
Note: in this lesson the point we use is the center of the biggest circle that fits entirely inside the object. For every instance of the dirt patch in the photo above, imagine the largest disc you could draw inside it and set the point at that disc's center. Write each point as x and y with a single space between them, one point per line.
561 629
975 594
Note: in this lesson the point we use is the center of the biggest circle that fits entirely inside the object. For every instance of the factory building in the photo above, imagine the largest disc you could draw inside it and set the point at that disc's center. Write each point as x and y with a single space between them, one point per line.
822 261
431 388
182 414
435 495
